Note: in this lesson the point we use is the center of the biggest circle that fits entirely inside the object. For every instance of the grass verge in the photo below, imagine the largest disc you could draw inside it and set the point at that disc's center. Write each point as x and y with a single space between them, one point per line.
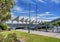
32 37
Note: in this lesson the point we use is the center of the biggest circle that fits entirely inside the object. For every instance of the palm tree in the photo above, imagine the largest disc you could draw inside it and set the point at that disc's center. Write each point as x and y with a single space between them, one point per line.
22 20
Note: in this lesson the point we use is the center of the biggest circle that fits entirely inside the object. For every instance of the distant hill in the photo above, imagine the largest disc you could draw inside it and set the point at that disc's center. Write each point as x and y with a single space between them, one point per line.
55 20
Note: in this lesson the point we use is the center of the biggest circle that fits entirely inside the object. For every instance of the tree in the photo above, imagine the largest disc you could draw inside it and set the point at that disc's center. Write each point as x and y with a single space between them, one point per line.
5 8
6 18
56 23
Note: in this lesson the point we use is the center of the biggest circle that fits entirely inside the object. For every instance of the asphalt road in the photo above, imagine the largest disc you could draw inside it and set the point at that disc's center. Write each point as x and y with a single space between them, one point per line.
49 34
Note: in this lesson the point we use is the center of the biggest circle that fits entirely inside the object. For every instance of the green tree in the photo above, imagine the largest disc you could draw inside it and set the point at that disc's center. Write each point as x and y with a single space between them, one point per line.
5 8
57 23
6 18
4 26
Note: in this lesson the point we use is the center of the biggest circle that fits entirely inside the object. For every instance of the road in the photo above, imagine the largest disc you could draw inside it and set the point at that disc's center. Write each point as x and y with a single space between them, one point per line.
49 34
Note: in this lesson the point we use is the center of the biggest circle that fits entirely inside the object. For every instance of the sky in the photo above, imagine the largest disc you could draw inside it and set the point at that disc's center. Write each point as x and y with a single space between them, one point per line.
48 10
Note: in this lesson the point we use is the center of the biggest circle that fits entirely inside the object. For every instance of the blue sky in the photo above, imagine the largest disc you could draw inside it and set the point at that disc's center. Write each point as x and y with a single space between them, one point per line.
47 9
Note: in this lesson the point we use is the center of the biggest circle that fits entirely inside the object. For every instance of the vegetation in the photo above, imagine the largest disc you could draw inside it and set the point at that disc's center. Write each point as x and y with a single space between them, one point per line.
3 26
11 37
5 9
1 37
56 22
5 12
32 37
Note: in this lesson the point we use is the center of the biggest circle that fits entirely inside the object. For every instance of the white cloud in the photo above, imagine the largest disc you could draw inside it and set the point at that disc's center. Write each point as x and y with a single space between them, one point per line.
45 19
17 8
55 17
26 11
12 15
16 1
45 14
42 1
21 10
28 1
56 1
25 17
8 21
49 18
41 17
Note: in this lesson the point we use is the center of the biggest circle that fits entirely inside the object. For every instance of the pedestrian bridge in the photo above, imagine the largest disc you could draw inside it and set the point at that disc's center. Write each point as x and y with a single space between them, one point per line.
23 25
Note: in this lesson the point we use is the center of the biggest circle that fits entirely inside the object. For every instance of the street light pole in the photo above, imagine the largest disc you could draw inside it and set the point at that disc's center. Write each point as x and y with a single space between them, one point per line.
36 13
29 18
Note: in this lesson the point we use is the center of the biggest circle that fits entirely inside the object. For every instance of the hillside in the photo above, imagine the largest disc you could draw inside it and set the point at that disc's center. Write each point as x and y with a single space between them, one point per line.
56 21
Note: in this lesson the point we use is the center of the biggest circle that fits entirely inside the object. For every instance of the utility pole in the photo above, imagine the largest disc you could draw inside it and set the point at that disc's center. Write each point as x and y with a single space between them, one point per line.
29 18
36 13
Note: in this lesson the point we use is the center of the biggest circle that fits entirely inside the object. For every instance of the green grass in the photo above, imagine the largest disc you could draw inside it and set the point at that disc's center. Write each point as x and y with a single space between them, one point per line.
32 37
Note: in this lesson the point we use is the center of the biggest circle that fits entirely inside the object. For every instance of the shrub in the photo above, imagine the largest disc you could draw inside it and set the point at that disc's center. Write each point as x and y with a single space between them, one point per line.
1 37
3 26
10 38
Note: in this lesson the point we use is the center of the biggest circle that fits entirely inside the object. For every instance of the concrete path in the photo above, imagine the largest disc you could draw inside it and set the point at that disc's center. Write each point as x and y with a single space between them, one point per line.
50 34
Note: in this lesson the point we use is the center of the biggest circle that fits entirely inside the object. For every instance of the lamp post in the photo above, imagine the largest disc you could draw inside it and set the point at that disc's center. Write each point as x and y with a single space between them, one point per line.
29 18
36 13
